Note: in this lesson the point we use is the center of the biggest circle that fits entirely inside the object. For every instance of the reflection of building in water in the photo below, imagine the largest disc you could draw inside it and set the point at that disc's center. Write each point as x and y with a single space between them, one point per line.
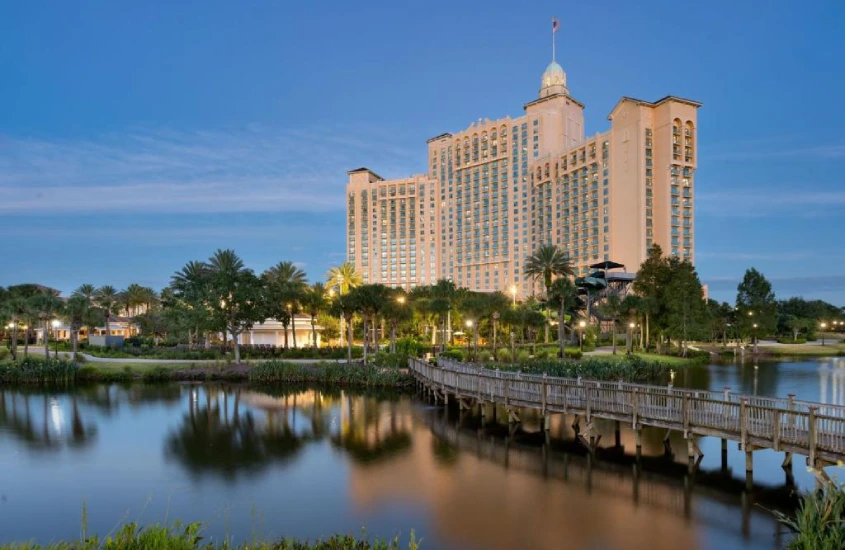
474 499
832 381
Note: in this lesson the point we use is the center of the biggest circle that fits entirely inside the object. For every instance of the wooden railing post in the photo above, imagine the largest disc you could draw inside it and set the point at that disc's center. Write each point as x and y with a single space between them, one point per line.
811 435
636 407
544 387
685 412
587 399
776 430
743 423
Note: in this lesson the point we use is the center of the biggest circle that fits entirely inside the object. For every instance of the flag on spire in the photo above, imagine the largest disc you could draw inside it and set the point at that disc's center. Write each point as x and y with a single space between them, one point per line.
555 24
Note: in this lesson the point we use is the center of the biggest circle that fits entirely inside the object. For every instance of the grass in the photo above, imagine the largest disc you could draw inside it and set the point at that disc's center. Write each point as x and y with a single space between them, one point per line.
189 537
668 360
819 522
807 350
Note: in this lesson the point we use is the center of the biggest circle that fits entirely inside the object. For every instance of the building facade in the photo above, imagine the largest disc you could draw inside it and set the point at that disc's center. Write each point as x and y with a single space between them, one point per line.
498 189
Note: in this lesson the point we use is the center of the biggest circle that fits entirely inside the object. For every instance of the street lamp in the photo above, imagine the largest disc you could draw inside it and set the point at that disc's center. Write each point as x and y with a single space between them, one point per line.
513 293
823 326
582 325
401 300
755 337
56 324
631 337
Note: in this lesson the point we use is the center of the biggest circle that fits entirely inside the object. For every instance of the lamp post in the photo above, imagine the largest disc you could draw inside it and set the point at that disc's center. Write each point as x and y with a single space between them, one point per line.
56 324
755 338
823 326
631 338
513 293
582 325
469 324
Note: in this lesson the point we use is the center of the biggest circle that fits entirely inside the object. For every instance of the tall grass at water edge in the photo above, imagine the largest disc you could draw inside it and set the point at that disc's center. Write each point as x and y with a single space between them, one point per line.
819 521
273 372
189 537
628 369
38 371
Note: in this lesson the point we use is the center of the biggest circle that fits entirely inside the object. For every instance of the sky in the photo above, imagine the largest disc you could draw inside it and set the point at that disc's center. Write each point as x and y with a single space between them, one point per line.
135 137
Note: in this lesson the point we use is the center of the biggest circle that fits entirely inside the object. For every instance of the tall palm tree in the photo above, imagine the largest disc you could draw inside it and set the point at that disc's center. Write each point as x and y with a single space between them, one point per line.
563 295
237 292
289 283
612 309
547 262
87 291
343 277
107 299
77 310
314 300
45 306
370 302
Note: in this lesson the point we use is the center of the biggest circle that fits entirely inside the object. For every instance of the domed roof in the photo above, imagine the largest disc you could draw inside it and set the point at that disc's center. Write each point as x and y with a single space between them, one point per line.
554 75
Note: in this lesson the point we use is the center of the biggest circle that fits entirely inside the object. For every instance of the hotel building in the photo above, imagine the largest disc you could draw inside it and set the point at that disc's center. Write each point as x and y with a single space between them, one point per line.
497 190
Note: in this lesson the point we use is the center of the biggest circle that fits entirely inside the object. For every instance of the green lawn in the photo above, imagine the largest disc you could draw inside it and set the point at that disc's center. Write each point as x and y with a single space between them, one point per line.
808 350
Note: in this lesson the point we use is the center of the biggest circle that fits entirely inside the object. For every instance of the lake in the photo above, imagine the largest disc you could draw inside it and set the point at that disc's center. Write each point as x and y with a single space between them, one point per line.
310 462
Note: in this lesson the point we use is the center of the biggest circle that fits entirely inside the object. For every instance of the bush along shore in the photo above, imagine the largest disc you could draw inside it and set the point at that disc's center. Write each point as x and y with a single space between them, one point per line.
189 537
39 371
627 369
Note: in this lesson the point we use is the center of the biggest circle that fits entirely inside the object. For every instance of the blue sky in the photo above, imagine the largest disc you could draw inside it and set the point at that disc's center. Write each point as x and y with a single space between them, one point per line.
137 136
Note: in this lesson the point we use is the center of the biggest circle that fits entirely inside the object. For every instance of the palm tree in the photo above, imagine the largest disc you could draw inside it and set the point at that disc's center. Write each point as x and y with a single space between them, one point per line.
548 262
107 299
612 309
15 309
396 310
346 306
77 311
370 301
343 277
444 294
86 290
288 283
314 300
237 292
45 306
563 294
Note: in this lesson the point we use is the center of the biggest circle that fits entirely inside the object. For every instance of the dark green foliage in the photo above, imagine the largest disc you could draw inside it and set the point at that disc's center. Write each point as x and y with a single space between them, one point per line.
387 360
274 372
31 370
628 369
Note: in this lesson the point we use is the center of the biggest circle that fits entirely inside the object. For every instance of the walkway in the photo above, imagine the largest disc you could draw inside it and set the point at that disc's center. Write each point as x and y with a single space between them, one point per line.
812 429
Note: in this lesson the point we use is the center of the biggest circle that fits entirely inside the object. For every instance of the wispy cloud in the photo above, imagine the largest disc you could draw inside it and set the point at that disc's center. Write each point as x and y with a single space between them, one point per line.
252 169
819 152
798 256
798 200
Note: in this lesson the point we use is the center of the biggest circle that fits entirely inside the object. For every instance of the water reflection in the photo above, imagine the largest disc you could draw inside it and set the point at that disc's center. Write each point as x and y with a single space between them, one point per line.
42 424
317 461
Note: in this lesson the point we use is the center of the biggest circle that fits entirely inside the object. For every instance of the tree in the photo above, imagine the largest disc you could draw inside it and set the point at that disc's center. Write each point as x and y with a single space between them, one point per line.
686 310
285 288
797 324
443 295
612 309
546 263
236 292
756 305
652 278
45 305
346 305
15 309
78 311
397 309
108 300
343 278
314 301
189 295
370 301
563 295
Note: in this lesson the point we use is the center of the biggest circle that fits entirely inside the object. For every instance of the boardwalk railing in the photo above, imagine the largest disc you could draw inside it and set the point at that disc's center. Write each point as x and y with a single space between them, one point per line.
812 429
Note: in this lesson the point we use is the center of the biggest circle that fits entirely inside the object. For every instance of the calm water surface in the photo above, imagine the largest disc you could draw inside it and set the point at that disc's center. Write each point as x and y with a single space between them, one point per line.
311 462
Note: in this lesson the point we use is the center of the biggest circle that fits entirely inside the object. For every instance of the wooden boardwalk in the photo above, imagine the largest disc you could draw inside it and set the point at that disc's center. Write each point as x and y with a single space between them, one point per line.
814 430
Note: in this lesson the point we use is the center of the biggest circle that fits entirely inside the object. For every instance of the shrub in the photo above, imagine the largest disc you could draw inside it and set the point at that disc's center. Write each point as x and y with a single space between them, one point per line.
522 356
387 360
275 372
574 353
33 370
485 356
789 340
504 355
629 369
454 353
